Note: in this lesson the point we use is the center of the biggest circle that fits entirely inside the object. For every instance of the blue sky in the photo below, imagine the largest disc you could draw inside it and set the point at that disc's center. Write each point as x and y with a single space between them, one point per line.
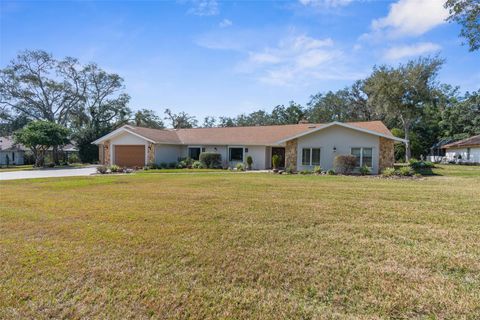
209 57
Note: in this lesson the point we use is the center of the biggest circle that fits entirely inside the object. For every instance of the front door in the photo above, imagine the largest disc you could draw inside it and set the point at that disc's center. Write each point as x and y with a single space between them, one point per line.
281 153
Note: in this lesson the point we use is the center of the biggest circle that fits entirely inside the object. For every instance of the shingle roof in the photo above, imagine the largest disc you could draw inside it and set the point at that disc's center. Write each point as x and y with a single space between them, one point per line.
255 135
7 144
469 142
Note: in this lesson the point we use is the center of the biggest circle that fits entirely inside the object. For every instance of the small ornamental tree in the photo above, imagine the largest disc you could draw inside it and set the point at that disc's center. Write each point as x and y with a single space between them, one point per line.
275 161
249 162
345 163
39 136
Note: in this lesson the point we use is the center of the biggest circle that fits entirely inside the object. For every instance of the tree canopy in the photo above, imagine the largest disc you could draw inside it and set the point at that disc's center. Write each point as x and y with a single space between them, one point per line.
40 135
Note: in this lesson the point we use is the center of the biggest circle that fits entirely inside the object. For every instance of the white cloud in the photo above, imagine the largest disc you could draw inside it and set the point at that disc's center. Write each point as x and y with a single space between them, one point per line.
297 60
325 3
204 8
400 52
411 18
225 23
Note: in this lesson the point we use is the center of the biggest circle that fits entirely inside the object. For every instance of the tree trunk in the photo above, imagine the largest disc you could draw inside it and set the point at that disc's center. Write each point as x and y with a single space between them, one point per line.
55 155
408 150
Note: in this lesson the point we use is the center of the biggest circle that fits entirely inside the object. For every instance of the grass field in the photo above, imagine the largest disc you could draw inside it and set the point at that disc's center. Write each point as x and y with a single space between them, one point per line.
241 246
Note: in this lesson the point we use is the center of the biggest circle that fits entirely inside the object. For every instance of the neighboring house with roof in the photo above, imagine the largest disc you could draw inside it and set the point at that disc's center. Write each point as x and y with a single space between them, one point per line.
466 150
302 146
10 152
15 153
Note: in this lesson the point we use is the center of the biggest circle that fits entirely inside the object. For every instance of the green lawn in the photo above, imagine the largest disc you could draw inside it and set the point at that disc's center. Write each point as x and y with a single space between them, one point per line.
240 246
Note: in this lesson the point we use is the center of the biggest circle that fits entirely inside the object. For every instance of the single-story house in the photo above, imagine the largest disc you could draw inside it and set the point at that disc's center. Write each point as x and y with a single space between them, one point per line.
466 150
11 153
302 145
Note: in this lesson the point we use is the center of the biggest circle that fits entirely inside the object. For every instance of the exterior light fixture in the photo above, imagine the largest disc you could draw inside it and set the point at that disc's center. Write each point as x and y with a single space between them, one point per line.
334 149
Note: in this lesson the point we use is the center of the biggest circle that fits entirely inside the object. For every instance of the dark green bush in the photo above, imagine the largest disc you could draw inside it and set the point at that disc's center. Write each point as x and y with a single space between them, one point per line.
331 172
102 169
211 160
249 162
172 165
365 170
290 169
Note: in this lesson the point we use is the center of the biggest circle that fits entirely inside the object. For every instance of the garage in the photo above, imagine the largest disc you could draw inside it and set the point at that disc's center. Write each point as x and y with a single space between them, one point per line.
130 155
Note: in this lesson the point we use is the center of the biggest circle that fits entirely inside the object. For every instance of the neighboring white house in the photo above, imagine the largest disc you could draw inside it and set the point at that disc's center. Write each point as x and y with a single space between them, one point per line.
11 153
467 150
302 146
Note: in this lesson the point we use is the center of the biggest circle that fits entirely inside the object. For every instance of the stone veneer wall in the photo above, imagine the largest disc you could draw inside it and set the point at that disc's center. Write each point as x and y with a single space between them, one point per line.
386 156
106 148
151 154
291 153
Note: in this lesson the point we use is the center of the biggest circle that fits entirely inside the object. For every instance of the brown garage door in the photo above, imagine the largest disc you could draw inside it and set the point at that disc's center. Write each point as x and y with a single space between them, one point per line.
130 156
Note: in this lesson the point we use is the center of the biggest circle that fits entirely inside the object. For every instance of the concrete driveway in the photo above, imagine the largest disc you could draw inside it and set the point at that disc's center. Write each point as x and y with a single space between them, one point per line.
48 173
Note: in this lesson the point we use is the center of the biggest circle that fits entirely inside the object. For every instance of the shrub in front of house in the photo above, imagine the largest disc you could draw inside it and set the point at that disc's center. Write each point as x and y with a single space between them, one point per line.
317 170
305 172
406 171
114 168
240 167
73 158
102 169
331 172
344 163
211 160
163 165
197 165
365 170
389 172
172 165
290 169
249 162
420 164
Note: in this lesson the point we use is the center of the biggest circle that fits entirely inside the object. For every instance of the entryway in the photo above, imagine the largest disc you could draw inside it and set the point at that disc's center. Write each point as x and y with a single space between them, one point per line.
280 151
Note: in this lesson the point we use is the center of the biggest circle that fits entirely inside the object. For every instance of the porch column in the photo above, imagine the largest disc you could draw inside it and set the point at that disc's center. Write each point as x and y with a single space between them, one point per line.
150 154
386 154
291 154
106 153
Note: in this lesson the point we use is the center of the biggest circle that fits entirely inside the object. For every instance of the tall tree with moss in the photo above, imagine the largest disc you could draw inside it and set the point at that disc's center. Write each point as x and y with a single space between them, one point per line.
403 92
467 14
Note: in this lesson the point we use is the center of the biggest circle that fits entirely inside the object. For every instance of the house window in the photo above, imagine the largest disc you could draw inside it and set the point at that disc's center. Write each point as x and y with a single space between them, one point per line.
363 157
194 153
13 156
468 153
235 154
311 156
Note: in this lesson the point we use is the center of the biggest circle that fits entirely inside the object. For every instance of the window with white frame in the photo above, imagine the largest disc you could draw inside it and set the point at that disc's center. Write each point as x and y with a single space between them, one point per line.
311 156
235 154
363 157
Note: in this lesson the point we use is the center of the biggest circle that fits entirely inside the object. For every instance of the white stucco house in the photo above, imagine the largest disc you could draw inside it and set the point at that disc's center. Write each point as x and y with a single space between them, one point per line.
464 151
302 146
11 153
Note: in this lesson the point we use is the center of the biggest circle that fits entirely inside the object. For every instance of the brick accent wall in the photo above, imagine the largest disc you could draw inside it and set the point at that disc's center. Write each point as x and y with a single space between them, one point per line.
106 148
151 154
291 153
386 157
